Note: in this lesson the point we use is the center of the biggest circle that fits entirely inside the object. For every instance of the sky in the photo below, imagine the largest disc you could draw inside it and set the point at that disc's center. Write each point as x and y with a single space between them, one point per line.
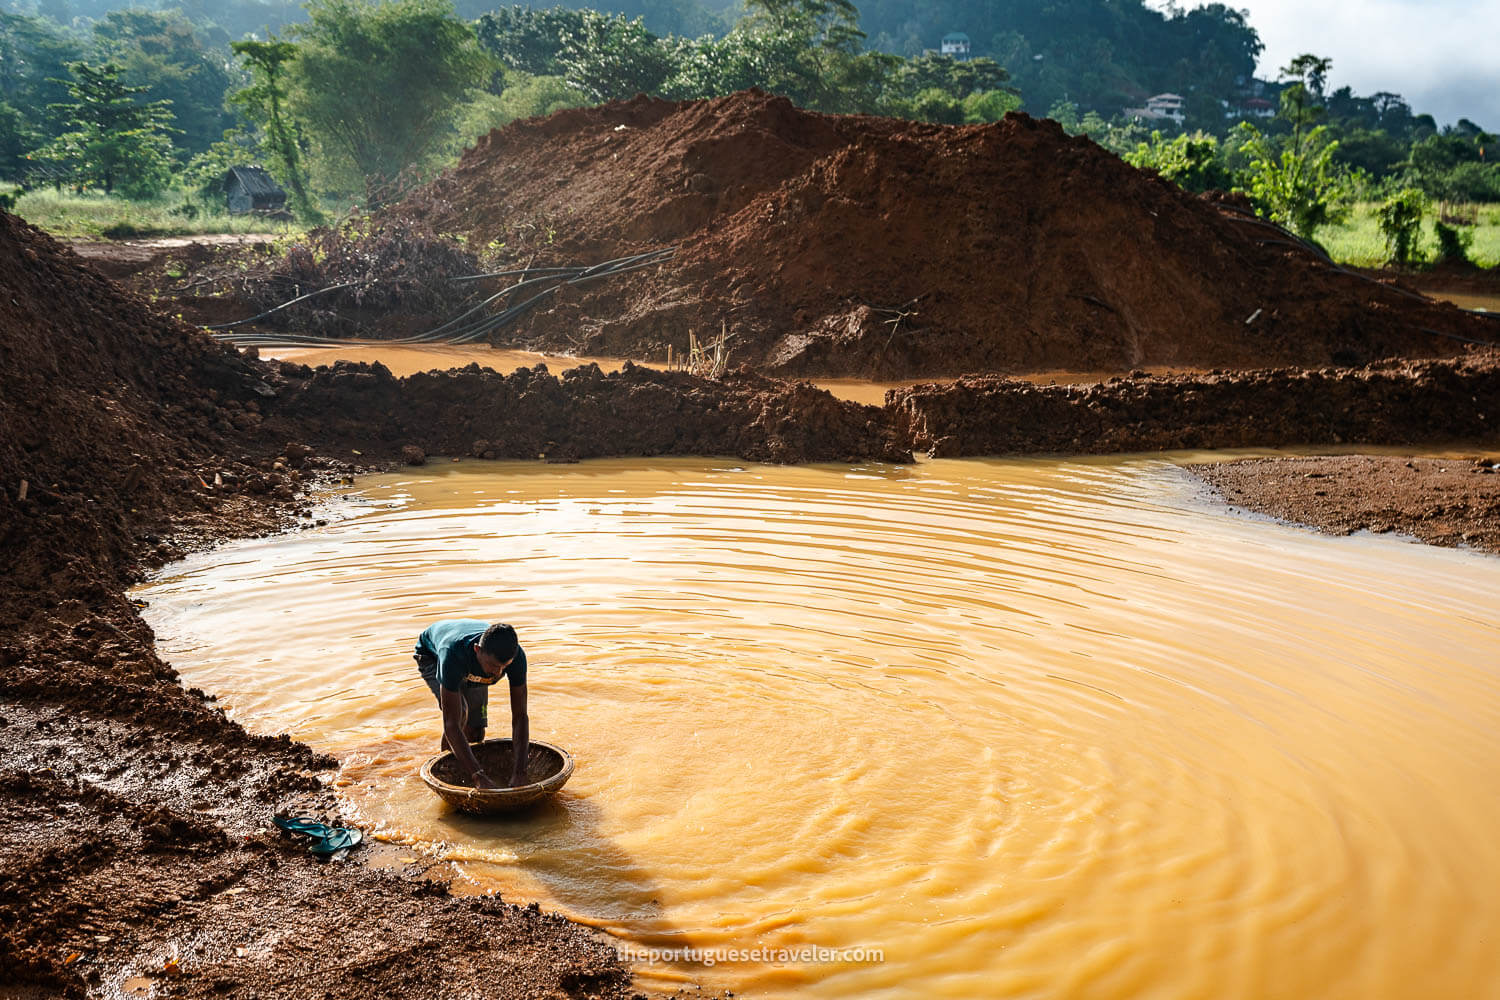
1443 56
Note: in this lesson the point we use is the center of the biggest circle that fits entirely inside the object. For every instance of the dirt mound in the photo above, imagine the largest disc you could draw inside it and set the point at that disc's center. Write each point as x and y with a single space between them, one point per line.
592 182
1390 403
849 245
107 409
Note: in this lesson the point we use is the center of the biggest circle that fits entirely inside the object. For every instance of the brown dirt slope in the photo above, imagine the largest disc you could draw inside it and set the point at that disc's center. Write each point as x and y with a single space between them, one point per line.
1447 501
850 245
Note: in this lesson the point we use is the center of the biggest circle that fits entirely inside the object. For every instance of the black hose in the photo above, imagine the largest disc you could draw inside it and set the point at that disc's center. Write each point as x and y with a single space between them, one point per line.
455 331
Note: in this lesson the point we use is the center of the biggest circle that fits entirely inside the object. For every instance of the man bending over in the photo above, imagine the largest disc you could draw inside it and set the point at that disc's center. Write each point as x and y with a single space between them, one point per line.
459 659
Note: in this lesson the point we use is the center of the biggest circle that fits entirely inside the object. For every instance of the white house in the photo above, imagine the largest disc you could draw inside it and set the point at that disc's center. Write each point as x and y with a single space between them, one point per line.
956 44
1162 107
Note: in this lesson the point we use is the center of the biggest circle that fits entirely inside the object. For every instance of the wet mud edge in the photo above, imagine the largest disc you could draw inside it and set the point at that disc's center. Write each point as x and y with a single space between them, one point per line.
1452 502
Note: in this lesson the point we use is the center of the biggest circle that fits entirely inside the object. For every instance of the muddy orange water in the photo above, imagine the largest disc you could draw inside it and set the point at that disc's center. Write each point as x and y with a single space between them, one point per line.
1029 728
1469 300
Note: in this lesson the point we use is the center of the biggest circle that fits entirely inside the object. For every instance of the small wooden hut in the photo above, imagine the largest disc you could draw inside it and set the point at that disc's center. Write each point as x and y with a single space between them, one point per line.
251 189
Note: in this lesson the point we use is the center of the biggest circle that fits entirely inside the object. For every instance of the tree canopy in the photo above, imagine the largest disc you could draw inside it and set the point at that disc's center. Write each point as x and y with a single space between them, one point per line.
381 83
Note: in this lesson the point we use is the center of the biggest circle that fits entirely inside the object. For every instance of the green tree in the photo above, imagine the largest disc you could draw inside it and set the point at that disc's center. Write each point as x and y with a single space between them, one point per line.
16 139
529 39
1296 183
1192 161
380 85
264 102
1295 178
163 53
939 88
831 71
611 58
990 105
34 61
1400 221
112 139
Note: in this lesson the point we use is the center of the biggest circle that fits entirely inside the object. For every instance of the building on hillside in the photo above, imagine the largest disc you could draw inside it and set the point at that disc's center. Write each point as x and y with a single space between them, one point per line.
956 44
251 189
1251 107
1162 107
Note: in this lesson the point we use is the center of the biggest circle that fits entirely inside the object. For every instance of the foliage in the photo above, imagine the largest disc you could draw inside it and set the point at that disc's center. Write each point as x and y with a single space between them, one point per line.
1190 161
379 85
1400 219
1296 183
164 53
940 88
16 138
528 39
1454 166
1099 56
1454 241
264 102
1294 178
34 60
990 105
611 58
112 139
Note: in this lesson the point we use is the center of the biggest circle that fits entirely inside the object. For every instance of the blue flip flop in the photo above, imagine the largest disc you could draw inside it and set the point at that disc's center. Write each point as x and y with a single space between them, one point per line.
326 840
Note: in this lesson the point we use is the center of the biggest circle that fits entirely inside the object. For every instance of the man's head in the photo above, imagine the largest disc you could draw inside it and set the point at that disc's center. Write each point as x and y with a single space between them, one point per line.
496 648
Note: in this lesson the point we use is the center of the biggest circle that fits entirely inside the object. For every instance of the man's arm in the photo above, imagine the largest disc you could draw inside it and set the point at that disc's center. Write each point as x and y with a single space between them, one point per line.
454 710
520 734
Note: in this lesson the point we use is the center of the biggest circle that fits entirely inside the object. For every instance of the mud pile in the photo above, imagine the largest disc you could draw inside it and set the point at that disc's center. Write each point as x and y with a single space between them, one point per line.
1392 402
107 410
584 413
849 245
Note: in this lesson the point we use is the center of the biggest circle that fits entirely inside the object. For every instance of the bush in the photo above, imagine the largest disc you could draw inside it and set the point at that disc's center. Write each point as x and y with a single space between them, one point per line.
1454 242
1400 220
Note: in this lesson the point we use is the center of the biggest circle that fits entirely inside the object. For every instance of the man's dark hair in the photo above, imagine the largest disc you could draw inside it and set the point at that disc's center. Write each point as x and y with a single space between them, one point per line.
500 642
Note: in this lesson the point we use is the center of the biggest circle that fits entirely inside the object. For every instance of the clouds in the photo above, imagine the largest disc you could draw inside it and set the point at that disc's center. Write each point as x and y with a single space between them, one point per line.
1438 54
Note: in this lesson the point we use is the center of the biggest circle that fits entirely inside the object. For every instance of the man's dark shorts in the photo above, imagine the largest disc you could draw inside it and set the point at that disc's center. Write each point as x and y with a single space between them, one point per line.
476 696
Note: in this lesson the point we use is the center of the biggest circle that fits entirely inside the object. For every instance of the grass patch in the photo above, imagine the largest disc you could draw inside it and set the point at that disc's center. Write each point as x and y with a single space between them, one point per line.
1358 241
64 213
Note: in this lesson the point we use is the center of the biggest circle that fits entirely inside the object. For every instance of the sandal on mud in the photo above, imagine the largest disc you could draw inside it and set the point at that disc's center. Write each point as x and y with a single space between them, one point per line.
326 840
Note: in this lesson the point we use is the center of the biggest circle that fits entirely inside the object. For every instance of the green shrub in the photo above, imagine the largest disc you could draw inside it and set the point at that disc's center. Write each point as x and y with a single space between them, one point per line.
1400 220
1454 242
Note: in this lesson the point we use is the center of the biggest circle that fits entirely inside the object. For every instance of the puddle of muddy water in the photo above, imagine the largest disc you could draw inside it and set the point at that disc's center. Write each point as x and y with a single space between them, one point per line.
978 728
1469 300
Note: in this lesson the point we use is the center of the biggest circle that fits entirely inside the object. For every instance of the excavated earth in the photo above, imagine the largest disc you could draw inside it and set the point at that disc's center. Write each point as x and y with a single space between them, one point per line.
1442 501
840 245
135 844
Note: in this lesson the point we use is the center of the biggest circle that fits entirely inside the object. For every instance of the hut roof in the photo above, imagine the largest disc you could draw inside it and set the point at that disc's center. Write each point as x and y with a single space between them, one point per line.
255 180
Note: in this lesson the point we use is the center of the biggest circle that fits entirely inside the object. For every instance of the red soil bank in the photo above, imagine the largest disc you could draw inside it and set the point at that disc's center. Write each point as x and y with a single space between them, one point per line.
1009 247
1389 403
